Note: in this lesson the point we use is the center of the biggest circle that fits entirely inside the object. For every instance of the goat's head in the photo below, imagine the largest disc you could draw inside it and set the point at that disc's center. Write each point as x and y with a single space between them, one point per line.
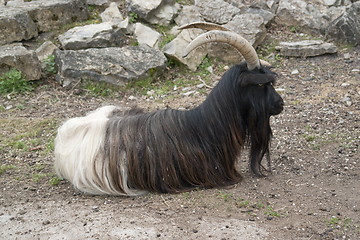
254 79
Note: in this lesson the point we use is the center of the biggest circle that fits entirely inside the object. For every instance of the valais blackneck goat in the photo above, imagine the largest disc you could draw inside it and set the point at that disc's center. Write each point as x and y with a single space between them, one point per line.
116 152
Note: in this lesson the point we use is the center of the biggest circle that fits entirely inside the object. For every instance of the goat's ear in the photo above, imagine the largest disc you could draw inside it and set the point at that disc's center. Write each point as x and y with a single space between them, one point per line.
256 79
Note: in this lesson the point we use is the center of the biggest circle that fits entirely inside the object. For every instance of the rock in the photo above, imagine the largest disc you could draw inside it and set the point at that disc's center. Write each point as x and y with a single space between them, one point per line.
98 2
188 14
23 22
164 15
146 35
45 50
330 2
112 14
295 72
176 47
17 56
346 28
310 17
93 36
160 12
217 11
249 26
266 15
306 48
16 25
50 15
113 65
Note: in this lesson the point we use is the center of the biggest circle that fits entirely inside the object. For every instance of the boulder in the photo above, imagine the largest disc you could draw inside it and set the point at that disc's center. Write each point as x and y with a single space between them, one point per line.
23 22
54 14
175 49
112 14
113 65
217 11
164 15
310 17
146 35
93 36
17 56
249 26
45 50
346 28
266 15
188 14
16 25
306 48
160 12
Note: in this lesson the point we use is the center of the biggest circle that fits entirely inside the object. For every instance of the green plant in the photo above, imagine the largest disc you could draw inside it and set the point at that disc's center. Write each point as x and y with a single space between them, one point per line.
225 196
50 66
36 177
294 29
55 181
166 39
271 212
241 203
4 168
14 81
100 88
133 17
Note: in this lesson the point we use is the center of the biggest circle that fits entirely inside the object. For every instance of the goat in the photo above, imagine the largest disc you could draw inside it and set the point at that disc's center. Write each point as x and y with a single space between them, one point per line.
117 152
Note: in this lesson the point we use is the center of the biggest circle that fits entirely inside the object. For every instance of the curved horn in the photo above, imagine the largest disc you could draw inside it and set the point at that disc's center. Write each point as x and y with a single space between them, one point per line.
204 26
231 38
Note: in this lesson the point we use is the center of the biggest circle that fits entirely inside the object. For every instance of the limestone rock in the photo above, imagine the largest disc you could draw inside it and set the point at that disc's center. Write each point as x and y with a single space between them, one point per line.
112 14
45 50
306 48
175 49
16 25
113 65
188 14
164 15
50 15
22 22
217 11
146 35
93 36
249 26
308 16
98 2
16 56
160 12
346 28
266 15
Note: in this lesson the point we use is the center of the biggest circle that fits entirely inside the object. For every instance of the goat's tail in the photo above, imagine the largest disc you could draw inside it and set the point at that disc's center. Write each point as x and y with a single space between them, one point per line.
80 158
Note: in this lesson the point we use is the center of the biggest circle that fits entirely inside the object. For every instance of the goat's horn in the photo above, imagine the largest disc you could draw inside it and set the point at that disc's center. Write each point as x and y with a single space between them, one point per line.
231 38
204 26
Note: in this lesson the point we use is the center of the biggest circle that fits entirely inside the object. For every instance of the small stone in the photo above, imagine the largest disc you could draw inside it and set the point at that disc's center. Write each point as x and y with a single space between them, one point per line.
346 56
46 222
345 84
295 72
195 231
132 98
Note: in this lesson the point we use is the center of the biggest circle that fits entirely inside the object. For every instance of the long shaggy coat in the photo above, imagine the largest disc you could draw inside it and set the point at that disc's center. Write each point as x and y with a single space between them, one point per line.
117 152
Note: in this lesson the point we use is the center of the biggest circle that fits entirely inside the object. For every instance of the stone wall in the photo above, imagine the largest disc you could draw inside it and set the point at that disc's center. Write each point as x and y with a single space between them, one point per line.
108 50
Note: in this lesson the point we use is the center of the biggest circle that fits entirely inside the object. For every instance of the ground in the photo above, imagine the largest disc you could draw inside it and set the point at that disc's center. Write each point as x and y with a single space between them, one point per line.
312 193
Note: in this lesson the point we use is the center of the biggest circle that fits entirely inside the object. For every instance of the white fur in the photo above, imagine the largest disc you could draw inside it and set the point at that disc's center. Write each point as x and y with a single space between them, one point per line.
79 154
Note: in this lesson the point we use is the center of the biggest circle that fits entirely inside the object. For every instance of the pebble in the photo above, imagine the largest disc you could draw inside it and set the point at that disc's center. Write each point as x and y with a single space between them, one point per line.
295 72
346 56
132 98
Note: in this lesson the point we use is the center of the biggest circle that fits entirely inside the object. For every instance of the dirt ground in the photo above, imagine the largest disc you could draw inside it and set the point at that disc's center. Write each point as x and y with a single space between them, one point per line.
313 192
